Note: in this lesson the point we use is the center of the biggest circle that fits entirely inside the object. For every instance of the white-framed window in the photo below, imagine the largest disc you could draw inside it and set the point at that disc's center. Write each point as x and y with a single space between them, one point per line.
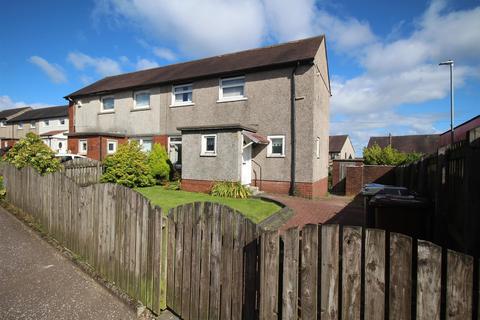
82 146
46 123
182 95
20 125
276 146
209 145
112 146
3 123
231 89
141 100
317 147
108 104
145 143
62 121
32 124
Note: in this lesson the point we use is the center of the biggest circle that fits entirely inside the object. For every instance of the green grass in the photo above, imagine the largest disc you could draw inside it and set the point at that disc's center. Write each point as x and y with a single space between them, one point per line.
254 209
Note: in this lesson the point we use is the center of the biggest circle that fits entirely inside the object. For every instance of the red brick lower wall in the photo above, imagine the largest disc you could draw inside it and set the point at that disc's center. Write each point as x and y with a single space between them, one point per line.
95 150
163 140
10 142
197 185
358 176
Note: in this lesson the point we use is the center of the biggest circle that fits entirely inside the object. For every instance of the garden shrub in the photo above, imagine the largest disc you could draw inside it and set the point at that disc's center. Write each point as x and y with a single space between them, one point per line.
376 155
230 189
158 162
128 166
31 151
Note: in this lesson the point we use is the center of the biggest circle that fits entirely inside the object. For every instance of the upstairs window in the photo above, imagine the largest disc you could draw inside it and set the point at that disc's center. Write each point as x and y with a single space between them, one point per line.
46 123
142 100
32 124
3 123
209 145
182 95
62 121
232 89
20 125
108 104
276 147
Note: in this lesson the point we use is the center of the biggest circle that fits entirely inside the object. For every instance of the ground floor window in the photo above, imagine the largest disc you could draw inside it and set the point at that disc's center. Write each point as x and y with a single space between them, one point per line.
145 143
209 145
175 149
82 146
111 146
276 146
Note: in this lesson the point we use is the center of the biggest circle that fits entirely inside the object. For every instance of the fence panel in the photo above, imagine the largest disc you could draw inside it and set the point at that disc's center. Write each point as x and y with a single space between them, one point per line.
115 229
83 171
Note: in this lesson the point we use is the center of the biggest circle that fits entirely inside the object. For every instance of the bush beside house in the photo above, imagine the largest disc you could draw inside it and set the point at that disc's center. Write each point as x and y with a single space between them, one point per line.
32 151
159 163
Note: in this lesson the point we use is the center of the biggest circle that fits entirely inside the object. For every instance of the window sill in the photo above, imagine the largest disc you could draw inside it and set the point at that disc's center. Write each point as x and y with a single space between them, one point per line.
232 100
208 155
182 105
275 156
140 109
106 112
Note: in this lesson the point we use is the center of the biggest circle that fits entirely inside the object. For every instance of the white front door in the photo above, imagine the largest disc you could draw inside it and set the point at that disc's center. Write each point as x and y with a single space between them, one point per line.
247 165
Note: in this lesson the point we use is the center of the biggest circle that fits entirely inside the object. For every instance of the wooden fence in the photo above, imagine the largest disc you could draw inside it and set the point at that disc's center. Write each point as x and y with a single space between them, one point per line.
330 272
451 180
83 171
212 263
207 261
115 229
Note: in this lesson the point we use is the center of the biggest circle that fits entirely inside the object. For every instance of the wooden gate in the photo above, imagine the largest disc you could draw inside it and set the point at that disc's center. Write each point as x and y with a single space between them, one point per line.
211 263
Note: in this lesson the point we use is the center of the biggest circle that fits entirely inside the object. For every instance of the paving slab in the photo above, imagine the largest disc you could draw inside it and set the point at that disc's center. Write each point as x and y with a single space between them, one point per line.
37 282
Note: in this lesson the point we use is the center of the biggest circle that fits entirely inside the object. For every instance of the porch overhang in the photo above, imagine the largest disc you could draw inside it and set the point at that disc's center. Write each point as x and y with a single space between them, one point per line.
255 137
217 127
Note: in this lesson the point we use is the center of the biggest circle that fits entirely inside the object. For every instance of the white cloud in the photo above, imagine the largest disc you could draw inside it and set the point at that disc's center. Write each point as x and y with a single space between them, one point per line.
165 53
7 103
102 65
143 64
53 71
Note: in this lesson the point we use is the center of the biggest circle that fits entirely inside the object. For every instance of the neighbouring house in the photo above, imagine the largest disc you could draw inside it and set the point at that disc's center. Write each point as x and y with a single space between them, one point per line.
469 130
49 123
341 147
7 130
258 116
422 143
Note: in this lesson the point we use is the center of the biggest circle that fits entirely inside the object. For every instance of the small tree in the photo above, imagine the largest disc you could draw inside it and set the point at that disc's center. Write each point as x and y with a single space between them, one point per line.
158 162
388 156
31 151
128 167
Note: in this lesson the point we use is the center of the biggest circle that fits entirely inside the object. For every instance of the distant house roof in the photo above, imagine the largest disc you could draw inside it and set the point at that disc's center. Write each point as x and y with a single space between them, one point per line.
278 55
460 131
5 114
336 143
42 113
425 143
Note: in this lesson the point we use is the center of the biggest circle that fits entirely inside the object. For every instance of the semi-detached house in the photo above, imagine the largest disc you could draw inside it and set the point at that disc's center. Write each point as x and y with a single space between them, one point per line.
258 116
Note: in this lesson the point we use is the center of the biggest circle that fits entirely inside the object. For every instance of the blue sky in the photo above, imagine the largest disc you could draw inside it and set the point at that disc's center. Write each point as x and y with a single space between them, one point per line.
383 55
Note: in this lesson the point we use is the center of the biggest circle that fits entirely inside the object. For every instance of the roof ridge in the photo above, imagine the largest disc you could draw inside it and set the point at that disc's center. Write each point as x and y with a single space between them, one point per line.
215 56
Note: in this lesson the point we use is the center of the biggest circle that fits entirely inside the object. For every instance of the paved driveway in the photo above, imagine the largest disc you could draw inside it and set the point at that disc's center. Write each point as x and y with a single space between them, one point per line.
332 209
37 282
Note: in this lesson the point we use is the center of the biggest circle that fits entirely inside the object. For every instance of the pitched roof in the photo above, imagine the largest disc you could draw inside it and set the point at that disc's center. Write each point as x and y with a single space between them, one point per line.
336 142
277 55
424 143
4 114
42 113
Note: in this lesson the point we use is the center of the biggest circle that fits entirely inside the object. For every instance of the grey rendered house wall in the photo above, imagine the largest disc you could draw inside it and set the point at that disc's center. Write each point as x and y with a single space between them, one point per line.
224 166
267 108
27 127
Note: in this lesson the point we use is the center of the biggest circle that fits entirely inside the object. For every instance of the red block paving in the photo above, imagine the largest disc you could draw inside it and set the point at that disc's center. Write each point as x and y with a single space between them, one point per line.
332 209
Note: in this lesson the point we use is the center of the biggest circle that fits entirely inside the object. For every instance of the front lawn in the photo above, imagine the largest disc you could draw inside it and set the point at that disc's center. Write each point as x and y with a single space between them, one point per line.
254 209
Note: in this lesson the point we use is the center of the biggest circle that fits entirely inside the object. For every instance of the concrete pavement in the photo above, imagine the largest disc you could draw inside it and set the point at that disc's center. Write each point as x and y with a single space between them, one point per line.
37 282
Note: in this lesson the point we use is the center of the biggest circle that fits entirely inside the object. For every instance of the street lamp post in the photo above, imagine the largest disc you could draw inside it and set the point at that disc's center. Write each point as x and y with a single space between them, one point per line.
452 106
